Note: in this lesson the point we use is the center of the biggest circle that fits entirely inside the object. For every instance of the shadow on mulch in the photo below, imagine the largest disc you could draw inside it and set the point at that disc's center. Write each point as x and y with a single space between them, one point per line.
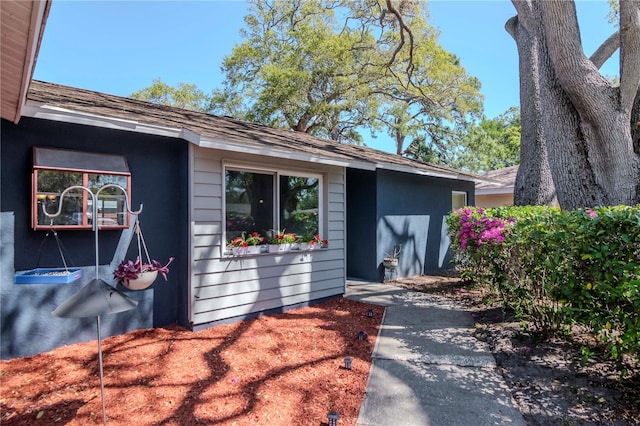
61 413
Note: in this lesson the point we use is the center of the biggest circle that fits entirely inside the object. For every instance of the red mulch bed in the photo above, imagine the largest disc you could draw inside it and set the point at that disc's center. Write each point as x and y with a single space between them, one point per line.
280 369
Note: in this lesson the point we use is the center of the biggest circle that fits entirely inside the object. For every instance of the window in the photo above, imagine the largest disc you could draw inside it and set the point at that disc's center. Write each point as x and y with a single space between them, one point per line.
458 199
299 207
55 170
249 202
265 201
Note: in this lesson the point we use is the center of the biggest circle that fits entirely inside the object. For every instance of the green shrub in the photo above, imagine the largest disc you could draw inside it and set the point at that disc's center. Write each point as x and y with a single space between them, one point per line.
558 268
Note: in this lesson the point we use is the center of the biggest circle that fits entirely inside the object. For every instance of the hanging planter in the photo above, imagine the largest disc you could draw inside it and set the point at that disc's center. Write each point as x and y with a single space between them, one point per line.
48 276
144 280
138 275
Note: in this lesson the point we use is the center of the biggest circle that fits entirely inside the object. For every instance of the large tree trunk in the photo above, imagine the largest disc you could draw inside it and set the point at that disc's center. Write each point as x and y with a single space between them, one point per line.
575 113
534 185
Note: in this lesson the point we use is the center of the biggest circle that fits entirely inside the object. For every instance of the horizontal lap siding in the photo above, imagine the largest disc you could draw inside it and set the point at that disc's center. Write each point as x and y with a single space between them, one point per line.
226 287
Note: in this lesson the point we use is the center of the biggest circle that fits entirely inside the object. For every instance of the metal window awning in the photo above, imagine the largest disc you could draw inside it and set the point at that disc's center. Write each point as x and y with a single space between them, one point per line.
65 159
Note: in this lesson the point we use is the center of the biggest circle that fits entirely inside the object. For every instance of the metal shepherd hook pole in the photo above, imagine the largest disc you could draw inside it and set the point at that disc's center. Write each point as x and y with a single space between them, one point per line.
97 297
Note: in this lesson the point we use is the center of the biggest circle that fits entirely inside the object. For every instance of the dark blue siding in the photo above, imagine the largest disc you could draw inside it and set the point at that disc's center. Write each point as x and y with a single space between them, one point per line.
159 169
409 210
361 224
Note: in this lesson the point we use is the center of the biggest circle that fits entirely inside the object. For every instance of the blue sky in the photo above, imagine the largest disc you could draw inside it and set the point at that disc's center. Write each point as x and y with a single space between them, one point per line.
119 47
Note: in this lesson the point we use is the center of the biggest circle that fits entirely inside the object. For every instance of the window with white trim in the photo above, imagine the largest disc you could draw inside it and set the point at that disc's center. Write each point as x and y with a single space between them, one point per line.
264 201
458 199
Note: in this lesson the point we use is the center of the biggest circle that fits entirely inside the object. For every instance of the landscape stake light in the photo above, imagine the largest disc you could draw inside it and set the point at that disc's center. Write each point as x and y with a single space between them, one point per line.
347 362
370 313
362 335
333 417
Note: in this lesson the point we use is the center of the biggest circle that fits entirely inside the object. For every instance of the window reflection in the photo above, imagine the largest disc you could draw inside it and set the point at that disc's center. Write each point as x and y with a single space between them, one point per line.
77 206
299 205
249 202
50 184
111 201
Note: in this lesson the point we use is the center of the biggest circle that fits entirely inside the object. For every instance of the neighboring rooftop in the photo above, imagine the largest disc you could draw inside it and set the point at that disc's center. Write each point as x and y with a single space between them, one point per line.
74 105
500 181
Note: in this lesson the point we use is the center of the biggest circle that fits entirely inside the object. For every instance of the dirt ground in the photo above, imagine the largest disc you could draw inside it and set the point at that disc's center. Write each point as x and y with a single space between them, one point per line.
547 377
285 369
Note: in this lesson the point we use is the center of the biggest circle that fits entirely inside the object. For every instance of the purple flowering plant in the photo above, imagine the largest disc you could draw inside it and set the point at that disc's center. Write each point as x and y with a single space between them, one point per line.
129 270
471 228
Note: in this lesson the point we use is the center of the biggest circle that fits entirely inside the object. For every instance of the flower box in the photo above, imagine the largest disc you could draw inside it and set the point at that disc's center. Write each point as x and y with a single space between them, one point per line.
273 248
253 249
48 276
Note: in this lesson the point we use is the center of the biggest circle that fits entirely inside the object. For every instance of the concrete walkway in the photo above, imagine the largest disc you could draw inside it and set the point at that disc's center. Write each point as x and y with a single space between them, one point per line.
428 369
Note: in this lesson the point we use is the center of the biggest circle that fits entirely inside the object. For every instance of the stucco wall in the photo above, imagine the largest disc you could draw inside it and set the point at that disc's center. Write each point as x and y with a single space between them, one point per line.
494 200
159 169
361 224
409 210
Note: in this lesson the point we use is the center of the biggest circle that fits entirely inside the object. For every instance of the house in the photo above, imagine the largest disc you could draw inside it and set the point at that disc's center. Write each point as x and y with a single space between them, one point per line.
497 189
391 206
200 180
182 165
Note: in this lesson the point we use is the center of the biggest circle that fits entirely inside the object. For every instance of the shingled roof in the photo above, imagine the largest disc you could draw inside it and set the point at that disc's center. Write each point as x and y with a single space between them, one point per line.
69 104
500 181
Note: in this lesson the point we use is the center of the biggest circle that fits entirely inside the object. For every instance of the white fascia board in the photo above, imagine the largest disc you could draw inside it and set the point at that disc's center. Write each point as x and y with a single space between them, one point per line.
48 112
431 173
281 153
492 191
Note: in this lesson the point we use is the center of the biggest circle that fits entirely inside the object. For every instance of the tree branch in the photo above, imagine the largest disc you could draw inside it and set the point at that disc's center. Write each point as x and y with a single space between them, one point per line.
606 49
578 76
629 52
403 28
511 25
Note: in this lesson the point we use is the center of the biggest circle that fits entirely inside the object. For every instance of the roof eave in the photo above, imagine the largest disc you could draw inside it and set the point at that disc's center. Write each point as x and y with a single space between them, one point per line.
495 191
48 112
21 75
286 154
424 172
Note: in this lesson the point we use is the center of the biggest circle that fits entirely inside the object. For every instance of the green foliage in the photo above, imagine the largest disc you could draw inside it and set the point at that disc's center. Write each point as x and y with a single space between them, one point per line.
335 69
479 147
562 268
185 96
492 144
614 12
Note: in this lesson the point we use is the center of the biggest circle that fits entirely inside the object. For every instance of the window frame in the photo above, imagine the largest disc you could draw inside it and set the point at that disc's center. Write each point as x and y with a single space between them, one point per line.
276 172
85 172
466 198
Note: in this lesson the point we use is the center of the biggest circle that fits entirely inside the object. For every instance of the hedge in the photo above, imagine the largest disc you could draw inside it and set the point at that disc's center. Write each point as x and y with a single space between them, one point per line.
558 268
